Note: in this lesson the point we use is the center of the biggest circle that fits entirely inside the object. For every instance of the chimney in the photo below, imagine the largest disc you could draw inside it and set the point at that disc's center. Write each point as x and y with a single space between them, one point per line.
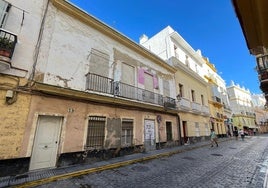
199 52
143 39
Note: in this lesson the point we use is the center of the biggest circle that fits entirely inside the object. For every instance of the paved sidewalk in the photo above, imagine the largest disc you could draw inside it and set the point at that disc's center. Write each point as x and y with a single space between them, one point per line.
35 178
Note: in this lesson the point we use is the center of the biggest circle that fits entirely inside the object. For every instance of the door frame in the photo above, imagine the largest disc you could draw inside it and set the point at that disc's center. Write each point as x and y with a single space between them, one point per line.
184 130
34 134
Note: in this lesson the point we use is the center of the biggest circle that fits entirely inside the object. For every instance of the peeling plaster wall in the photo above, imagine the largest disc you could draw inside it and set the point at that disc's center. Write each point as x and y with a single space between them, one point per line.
74 128
65 51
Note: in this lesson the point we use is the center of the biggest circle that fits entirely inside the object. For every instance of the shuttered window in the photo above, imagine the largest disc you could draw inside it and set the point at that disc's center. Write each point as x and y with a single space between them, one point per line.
99 63
128 76
166 88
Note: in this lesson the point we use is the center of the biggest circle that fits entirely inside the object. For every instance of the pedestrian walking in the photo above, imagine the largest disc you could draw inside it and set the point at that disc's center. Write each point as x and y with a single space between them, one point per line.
242 134
235 133
213 138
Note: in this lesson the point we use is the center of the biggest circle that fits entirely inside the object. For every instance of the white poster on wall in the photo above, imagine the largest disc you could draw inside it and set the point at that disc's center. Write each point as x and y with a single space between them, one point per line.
149 129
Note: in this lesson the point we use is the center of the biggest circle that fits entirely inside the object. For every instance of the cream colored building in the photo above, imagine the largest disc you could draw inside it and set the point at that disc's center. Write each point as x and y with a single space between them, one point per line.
75 90
242 107
220 109
191 88
261 113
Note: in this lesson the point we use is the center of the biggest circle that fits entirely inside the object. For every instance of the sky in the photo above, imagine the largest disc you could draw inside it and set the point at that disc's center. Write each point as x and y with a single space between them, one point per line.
209 25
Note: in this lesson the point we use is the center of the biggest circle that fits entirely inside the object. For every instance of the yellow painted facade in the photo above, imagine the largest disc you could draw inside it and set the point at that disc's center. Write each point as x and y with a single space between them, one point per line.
13 117
196 121
216 108
75 121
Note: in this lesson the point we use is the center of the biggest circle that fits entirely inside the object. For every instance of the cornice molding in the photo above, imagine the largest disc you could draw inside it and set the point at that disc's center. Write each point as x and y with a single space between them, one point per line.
96 98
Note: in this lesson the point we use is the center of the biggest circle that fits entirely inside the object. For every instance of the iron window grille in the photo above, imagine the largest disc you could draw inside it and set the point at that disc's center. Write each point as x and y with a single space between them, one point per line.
96 132
127 132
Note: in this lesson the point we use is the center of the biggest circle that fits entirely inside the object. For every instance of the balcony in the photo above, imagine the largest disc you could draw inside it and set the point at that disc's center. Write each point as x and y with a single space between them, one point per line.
169 103
7 46
100 84
184 104
196 107
262 68
205 110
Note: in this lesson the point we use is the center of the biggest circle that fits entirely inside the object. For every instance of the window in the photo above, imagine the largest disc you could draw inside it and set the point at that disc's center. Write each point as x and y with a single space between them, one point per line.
180 90
99 63
187 61
169 131
197 129
196 69
148 82
127 132
193 95
128 74
175 52
202 99
96 131
166 88
4 9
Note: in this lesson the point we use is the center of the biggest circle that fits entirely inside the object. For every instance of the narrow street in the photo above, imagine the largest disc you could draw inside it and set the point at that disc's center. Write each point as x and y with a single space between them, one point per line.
232 164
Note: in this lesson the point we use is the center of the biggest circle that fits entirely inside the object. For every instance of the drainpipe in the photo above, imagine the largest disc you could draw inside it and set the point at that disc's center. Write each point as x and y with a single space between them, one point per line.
38 43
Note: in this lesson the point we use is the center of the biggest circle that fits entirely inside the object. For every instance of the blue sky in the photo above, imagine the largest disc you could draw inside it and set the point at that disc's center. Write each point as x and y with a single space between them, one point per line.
208 25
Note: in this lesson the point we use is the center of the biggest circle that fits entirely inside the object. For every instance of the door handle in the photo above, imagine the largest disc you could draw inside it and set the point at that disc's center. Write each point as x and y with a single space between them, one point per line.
45 147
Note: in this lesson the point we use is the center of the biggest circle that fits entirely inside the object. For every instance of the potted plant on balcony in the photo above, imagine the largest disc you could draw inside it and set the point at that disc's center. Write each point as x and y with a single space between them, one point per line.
6 46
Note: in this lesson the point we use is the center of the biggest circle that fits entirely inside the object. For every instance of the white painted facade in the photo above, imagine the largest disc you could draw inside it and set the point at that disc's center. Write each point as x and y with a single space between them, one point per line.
65 52
240 99
168 43
190 83
242 106
58 46
23 20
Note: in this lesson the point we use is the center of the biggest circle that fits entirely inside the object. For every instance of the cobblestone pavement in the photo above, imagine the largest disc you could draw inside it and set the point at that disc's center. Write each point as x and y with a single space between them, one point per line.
232 164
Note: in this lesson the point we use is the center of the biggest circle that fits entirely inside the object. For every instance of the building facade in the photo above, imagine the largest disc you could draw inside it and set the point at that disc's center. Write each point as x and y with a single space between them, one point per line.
242 107
191 88
76 90
218 99
261 115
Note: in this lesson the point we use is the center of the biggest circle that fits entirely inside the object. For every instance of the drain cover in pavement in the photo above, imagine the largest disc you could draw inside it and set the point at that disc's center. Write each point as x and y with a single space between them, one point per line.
140 168
215 154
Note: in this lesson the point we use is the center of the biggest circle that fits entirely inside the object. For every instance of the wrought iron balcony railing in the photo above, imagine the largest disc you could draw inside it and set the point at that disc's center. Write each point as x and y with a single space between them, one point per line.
169 102
7 43
106 85
216 99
